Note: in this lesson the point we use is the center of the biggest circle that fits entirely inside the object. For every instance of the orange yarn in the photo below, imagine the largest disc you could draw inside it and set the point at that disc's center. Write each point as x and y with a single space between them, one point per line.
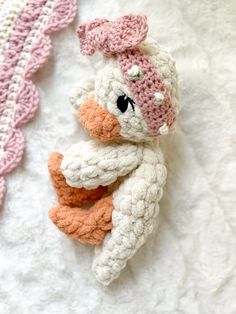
87 226
99 122
66 194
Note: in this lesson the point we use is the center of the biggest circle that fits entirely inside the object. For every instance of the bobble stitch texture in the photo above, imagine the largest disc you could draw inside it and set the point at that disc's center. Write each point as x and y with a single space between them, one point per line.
134 216
133 99
106 36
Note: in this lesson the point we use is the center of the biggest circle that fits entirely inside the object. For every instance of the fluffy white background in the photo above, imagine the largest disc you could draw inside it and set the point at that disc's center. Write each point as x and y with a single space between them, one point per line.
188 264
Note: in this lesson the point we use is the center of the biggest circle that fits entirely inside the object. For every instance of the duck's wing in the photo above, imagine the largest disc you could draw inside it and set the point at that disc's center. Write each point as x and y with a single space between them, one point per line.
90 164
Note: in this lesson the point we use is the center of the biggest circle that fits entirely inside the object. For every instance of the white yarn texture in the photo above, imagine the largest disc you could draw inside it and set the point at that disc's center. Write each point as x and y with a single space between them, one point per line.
90 164
137 161
134 215
187 265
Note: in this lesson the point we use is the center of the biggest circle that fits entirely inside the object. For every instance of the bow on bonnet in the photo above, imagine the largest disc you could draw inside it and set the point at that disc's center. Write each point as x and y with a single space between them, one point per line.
112 37
122 37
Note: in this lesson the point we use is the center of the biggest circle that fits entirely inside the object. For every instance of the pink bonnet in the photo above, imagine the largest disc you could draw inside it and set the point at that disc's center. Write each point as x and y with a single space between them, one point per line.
121 38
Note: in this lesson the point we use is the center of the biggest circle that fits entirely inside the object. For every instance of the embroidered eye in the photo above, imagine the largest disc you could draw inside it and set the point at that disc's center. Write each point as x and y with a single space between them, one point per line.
123 102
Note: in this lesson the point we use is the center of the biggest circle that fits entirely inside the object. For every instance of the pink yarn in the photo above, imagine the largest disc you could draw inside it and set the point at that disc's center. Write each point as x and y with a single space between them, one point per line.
112 37
16 42
144 90
62 13
121 38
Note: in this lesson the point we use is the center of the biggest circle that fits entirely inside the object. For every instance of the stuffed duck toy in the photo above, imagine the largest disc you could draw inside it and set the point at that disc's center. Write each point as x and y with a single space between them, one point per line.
109 188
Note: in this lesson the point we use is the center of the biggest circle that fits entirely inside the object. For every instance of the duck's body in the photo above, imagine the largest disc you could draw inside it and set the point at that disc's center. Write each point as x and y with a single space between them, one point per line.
130 103
134 215
141 173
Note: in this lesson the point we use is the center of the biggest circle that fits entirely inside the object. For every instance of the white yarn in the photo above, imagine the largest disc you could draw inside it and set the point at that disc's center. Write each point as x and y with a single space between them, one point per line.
140 164
81 93
135 72
164 129
109 85
90 164
134 215
159 98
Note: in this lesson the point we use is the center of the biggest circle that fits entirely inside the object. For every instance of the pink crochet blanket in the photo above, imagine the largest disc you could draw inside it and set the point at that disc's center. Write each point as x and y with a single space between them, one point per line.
25 26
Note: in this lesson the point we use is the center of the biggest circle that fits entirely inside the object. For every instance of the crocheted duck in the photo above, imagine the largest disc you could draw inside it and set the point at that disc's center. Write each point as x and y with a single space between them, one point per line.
121 171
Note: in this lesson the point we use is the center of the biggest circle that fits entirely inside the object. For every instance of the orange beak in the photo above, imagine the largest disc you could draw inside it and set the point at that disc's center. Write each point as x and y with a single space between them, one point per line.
99 122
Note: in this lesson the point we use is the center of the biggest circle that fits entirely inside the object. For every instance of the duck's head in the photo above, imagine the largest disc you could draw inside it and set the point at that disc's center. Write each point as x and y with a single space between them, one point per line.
134 96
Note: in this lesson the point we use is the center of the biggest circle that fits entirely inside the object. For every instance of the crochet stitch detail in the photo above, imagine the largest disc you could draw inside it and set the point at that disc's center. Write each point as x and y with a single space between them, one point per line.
66 194
24 48
132 99
145 89
91 164
100 124
134 216
112 37
87 226
121 39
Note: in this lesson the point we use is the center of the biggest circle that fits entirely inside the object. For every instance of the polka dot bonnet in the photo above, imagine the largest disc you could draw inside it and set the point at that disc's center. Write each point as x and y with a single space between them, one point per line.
121 38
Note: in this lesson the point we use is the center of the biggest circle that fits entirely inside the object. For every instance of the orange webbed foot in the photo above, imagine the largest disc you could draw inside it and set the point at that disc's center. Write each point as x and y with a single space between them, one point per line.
87 226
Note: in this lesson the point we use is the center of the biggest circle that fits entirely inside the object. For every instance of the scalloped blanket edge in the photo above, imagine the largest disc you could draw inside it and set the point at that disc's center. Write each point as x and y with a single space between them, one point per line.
25 44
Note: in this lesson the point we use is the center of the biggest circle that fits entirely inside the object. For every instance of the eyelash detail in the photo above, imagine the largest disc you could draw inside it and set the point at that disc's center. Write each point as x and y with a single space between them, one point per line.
123 103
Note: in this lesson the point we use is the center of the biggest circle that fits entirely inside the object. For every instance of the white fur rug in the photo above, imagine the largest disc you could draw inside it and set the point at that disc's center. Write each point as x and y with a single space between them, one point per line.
188 266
